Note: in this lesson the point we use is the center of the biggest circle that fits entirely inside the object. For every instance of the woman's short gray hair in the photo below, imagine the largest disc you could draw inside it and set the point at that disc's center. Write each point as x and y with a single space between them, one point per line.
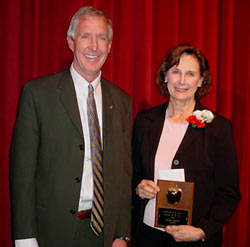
86 12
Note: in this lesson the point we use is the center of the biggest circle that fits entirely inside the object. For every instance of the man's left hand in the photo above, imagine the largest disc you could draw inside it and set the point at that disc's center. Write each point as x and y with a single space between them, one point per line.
119 243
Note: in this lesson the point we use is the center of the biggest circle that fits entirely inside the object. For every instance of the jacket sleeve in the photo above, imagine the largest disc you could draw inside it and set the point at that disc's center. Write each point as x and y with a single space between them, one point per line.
137 138
136 155
138 203
227 194
123 228
24 148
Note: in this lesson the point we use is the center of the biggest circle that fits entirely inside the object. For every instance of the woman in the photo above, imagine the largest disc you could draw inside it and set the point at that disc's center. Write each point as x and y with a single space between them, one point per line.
175 135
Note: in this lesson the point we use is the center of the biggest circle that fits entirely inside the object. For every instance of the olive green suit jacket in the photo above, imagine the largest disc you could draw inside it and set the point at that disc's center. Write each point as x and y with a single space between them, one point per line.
47 157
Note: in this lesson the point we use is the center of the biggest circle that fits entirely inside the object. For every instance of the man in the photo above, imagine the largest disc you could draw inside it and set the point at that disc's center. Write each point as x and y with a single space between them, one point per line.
68 124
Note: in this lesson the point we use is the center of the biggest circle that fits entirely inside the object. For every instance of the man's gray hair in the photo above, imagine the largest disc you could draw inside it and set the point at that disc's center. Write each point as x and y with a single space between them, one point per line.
86 12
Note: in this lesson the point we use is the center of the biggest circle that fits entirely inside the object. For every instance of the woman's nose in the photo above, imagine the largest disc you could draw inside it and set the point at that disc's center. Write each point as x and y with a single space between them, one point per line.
182 79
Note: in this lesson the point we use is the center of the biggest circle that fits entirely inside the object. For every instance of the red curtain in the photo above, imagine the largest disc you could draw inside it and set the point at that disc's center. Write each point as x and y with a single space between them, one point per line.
33 44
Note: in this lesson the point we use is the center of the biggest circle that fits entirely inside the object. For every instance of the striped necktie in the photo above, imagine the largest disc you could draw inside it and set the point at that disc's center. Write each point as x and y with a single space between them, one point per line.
96 221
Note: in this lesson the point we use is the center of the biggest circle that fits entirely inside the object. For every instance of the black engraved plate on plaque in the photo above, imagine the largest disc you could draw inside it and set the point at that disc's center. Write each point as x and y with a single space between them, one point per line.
168 216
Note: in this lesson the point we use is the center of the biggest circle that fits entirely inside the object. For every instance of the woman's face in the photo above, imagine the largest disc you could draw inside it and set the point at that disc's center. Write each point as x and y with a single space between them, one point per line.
184 79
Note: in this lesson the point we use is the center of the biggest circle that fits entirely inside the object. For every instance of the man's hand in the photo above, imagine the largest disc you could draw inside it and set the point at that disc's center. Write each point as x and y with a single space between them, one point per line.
185 233
119 243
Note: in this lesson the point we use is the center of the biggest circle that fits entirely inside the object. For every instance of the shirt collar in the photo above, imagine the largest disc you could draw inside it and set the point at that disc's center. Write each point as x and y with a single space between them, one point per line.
78 79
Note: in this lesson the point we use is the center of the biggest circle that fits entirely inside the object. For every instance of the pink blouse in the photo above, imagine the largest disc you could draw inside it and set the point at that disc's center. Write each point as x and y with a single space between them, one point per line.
171 137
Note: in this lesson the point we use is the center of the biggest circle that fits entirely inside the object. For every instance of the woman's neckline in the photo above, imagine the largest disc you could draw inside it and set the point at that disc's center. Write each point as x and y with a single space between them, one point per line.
175 122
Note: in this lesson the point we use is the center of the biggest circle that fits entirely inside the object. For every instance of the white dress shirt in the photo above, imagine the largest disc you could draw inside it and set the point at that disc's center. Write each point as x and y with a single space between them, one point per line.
86 193
81 87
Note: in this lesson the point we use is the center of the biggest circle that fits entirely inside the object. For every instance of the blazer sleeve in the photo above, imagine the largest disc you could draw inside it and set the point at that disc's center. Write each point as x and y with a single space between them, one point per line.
24 148
139 132
123 228
227 194
137 168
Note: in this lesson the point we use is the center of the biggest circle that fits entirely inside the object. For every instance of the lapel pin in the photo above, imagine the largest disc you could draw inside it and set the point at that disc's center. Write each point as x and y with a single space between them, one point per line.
110 107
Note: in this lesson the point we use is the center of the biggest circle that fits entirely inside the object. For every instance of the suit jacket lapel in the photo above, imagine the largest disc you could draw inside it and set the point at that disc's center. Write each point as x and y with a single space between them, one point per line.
107 113
67 96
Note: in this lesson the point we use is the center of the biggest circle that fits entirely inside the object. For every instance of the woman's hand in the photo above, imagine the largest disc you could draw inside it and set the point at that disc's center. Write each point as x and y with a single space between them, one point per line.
147 189
185 233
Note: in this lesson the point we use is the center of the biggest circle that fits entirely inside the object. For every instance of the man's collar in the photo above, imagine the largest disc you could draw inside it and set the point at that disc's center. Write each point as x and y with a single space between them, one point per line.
78 78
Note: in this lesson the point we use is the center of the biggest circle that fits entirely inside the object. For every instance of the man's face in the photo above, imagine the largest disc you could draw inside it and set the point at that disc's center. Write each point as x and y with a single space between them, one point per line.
90 46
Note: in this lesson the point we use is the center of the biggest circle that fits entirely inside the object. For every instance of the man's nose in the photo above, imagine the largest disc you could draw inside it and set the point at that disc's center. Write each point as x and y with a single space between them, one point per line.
94 43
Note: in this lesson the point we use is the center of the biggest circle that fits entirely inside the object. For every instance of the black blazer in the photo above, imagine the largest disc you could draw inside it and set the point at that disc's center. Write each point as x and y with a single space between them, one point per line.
208 158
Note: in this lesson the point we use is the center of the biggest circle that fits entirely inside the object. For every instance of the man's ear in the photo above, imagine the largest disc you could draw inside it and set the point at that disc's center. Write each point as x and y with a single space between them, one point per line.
70 42
110 43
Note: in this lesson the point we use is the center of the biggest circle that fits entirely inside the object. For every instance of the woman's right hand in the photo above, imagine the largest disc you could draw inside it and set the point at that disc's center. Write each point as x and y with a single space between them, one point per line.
147 189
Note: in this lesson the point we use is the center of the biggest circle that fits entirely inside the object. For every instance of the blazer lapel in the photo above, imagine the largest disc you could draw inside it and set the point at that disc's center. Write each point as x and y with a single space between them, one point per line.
191 133
189 136
67 96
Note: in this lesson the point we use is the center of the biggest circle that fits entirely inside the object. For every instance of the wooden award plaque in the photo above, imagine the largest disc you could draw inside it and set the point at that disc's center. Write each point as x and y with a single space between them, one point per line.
174 203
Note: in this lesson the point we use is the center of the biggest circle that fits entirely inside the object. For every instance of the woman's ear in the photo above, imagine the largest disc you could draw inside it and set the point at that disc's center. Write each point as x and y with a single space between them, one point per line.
200 82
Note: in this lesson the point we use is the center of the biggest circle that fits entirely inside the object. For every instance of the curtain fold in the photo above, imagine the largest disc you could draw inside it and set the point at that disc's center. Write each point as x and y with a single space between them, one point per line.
33 42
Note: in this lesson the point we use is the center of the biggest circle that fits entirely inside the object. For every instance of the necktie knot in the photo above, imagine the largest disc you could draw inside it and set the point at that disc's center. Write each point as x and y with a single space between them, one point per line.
91 89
